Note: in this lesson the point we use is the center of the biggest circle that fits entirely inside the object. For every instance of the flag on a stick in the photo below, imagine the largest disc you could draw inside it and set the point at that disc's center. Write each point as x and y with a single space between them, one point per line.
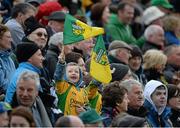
75 30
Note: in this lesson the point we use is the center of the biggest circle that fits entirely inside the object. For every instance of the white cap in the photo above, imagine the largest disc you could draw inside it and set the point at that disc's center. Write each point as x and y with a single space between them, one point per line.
150 14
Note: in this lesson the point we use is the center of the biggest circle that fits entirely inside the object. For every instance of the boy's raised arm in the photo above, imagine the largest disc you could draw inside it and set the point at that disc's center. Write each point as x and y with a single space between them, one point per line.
60 67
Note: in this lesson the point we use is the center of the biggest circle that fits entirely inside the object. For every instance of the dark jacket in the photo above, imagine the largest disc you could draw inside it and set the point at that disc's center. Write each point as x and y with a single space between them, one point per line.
141 112
170 71
149 45
152 74
175 118
52 59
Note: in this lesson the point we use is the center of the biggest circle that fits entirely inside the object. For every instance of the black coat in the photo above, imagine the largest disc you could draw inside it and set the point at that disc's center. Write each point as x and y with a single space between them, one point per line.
52 59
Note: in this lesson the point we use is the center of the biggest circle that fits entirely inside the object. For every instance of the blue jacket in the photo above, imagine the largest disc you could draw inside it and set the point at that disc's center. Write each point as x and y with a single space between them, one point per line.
171 38
155 120
107 114
7 68
24 66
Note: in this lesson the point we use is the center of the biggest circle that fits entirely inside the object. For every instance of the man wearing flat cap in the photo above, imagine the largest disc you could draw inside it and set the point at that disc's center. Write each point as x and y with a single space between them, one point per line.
55 22
119 52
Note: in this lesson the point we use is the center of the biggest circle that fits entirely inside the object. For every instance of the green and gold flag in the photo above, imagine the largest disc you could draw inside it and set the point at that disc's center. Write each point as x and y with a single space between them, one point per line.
75 30
99 66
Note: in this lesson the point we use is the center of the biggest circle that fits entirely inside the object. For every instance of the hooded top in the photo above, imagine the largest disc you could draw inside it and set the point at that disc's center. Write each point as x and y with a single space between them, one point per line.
156 118
150 87
69 94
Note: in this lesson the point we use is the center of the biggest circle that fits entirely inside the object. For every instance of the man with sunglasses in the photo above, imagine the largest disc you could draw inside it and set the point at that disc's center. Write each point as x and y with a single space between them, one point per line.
35 32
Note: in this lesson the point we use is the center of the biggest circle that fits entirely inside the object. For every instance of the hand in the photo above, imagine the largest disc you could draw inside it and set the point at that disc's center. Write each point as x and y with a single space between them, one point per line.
79 109
61 56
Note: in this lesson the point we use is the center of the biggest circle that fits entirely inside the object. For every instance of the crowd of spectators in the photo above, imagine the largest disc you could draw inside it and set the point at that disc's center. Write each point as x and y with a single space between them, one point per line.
44 83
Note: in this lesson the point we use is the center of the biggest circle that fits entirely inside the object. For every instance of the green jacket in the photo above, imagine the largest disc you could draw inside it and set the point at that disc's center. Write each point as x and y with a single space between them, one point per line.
119 31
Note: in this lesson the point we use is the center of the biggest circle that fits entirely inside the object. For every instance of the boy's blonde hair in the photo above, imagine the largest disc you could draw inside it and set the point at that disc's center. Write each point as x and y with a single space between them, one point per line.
72 64
154 57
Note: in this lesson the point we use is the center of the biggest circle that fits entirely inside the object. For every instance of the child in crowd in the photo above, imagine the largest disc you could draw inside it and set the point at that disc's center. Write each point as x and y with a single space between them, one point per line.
72 96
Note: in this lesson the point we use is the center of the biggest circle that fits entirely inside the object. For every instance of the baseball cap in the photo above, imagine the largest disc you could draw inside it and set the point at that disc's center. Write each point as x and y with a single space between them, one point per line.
162 3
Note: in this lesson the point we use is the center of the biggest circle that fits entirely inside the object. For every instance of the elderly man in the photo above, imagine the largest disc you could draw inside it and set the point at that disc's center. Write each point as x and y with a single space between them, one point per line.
69 121
55 22
28 85
135 96
154 35
119 52
172 70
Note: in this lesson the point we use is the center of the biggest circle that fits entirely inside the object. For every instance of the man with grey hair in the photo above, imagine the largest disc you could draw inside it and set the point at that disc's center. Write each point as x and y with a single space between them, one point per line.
19 14
54 49
135 96
154 35
172 70
26 95
119 52
69 121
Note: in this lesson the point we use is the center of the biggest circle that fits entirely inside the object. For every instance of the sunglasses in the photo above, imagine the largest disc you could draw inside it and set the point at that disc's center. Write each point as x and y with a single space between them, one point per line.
40 34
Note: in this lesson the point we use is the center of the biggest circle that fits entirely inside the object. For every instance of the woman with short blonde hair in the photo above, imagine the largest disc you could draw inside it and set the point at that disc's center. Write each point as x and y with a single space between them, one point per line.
154 64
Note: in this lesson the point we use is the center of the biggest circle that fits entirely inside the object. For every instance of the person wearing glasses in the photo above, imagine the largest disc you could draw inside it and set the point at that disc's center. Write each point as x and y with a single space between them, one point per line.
35 32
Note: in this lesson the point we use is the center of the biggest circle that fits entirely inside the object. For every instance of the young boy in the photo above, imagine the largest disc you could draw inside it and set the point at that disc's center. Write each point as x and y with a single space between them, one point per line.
69 80
155 94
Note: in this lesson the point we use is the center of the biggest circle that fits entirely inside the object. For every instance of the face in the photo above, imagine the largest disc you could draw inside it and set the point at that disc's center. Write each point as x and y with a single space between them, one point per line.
126 15
174 103
128 76
158 37
73 73
135 63
5 41
105 15
177 31
18 121
37 59
123 107
39 36
82 65
124 55
4 119
175 57
160 67
86 46
159 98
57 26
135 96
26 92
158 22
68 49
